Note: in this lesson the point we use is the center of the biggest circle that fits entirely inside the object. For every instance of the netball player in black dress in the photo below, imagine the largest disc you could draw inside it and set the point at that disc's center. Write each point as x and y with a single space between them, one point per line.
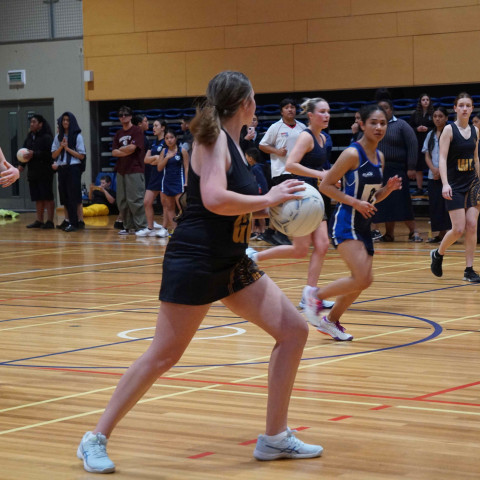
205 261
459 171
307 161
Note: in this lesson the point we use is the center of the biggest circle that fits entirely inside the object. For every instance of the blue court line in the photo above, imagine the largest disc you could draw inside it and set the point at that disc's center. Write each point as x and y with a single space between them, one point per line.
437 330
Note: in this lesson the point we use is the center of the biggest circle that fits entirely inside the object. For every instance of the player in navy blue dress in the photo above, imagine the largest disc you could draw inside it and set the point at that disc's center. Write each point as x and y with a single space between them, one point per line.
174 164
204 262
360 165
460 173
154 186
308 161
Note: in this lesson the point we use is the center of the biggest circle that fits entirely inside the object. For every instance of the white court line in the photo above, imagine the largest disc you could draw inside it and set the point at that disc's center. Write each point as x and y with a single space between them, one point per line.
40 270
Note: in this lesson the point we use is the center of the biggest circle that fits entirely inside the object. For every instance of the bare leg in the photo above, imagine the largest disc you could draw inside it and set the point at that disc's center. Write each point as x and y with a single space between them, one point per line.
50 205
419 178
264 304
176 325
390 229
347 289
458 219
411 225
148 204
320 247
471 235
40 207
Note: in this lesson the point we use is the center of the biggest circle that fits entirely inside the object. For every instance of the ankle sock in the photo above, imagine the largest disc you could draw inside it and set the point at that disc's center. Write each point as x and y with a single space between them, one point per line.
278 437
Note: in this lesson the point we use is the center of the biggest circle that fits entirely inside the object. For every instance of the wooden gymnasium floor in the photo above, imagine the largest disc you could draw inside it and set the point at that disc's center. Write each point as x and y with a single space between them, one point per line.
400 402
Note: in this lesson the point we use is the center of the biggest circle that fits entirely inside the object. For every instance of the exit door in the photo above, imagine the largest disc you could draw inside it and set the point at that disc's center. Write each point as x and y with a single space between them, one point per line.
14 127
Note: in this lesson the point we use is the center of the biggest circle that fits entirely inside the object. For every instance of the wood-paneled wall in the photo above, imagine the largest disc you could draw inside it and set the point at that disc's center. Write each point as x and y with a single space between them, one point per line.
158 48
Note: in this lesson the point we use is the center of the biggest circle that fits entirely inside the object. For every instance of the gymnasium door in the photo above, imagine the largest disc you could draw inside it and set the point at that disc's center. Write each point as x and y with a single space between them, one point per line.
14 127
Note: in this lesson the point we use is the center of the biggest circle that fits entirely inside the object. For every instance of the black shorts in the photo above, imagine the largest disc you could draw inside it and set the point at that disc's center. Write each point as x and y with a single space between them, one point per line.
41 190
197 280
464 198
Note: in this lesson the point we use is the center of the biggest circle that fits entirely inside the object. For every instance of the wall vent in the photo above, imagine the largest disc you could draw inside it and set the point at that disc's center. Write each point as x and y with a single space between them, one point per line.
16 78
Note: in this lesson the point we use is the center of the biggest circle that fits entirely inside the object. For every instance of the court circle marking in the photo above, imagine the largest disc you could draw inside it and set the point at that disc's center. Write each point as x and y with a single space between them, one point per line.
237 331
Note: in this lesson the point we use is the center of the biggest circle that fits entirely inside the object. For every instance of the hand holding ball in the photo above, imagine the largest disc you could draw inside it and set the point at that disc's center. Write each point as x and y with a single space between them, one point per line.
20 155
297 218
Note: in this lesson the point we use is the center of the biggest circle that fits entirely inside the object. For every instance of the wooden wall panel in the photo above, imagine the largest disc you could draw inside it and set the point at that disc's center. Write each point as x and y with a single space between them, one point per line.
427 22
186 40
138 76
447 58
264 11
269 68
352 28
266 34
101 17
363 7
165 15
340 64
120 44
282 45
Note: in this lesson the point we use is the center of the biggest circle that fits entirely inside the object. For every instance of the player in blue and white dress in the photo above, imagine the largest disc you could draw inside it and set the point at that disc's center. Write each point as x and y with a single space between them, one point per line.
360 168
174 163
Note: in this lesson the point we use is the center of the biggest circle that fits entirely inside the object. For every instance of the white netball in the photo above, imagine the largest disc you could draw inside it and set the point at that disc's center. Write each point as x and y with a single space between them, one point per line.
296 218
21 153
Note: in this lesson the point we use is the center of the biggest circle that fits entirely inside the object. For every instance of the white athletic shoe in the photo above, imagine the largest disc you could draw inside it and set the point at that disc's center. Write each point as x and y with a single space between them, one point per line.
93 451
161 232
145 232
157 225
288 447
313 306
334 329
327 304
251 254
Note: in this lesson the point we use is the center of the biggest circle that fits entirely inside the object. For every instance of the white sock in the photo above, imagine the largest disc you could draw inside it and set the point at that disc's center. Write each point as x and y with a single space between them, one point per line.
255 257
278 437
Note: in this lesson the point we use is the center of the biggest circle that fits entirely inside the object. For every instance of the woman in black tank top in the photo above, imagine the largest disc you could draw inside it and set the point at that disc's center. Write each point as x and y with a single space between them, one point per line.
459 171
308 161
221 197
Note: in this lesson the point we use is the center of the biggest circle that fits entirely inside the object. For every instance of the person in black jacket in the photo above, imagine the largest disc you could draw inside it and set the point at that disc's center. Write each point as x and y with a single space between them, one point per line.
40 173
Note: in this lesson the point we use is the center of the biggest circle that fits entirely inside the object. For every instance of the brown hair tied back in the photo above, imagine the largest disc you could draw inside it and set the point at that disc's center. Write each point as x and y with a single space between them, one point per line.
225 92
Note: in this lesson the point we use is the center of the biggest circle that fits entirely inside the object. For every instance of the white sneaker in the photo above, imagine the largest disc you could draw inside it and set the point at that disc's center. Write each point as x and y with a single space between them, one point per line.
327 304
161 232
288 447
313 306
145 232
126 232
93 451
334 329
251 254
157 225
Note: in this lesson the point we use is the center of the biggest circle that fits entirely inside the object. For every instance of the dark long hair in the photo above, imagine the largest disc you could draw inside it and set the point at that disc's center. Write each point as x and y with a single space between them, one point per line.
419 109
431 141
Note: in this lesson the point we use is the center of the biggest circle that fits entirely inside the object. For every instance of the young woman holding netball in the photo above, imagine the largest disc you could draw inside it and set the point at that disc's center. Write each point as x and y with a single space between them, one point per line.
360 165
460 171
204 262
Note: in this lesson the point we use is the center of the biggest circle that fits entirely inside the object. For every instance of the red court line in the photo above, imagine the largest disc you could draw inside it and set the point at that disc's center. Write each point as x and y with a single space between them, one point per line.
79 290
201 455
425 398
453 389
343 417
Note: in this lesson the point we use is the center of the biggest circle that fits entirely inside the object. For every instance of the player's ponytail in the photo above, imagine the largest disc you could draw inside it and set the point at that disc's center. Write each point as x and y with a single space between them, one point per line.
225 92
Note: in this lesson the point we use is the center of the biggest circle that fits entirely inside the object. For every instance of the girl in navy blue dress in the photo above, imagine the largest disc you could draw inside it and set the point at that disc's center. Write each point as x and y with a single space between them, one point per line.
361 166
204 262
154 186
308 161
173 162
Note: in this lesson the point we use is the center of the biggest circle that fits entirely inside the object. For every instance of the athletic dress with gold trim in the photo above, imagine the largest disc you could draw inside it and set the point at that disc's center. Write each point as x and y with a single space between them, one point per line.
205 259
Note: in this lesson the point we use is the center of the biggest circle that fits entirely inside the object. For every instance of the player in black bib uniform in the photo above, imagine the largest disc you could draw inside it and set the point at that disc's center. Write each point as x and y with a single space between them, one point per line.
205 261
308 162
460 172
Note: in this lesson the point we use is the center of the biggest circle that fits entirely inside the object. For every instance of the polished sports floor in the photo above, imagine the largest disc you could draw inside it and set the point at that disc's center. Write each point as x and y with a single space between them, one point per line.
402 401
